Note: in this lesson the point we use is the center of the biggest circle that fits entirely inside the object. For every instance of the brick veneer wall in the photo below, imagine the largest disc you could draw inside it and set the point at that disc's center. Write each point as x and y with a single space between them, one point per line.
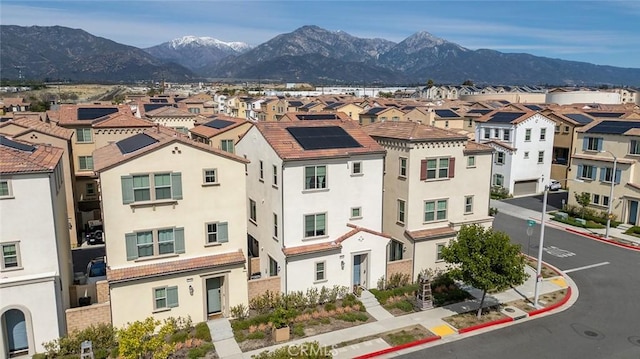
254 265
404 266
259 286
102 289
83 317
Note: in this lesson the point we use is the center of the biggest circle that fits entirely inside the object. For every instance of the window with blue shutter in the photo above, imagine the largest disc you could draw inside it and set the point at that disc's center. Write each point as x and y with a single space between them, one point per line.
176 185
127 189
223 233
172 297
579 172
599 145
603 174
618 175
178 234
585 143
131 245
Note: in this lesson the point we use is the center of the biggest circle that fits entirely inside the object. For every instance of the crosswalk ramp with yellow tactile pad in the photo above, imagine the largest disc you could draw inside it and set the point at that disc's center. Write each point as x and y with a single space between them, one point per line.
442 330
560 282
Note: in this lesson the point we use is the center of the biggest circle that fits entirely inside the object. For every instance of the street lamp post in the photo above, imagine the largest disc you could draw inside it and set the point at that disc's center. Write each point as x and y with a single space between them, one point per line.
613 181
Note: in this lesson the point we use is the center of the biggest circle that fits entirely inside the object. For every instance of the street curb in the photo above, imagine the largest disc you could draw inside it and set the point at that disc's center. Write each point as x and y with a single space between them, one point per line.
553 306
399 347
484 325
627 246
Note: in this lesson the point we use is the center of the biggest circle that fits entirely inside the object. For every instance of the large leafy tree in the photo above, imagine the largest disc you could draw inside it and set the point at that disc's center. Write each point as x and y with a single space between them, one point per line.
485 259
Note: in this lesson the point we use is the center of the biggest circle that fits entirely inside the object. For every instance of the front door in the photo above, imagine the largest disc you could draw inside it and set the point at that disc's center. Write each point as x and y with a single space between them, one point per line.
214 302
16 330
360 270
633 212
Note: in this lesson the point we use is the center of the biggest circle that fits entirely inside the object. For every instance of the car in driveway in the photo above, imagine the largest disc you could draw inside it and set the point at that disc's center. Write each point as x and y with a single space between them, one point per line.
555 185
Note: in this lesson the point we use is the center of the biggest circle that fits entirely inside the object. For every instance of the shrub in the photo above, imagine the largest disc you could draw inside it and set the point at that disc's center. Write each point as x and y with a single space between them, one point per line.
239 336
200 351
499 192
256 335
142 338
635 230
239 311
298 330
312 296
353 316
178 337
310 350
203 332
102 336
404 305
329 306
39 356
397 280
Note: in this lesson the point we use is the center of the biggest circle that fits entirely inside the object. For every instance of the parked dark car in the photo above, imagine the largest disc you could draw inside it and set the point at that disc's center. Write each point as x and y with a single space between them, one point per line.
96 237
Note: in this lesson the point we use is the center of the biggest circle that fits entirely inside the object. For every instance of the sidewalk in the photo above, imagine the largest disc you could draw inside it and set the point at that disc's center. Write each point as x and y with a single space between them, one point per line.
515 211
430 319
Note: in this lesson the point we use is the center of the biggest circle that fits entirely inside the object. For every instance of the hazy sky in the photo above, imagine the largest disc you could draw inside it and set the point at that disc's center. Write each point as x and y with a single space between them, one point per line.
600 32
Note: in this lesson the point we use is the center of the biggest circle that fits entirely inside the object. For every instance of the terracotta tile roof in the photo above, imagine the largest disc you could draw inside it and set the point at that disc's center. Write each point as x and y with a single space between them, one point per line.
174 266
207 132
475 147
332 245
285 145
43 159
411 131
634 185
293 116
434 233
9 101
122 120
501 144
633 132
31 124
168 111
110 155
68 114
602 158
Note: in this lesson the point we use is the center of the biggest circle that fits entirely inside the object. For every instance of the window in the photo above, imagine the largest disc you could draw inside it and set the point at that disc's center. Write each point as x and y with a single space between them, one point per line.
557 130
506 135
253 211
496 133
527 134
592 144
5 189
439 248
470 123
83 135
606 174
395 250
275 226
401 205
210 176
500 158
446 124
586 171
471 161
595 199
165 241
261 171
356 212
435 210
468 204
395 118
566 129
144 244
151 187
543 134
487 133
320 273
85 163
154 242
436 168
90 189
194 110
315 225
273 267
165 297
540 156
356 168
526 155
10 256
217 232
227 146
403 167
605 201
634 147
275 175
315 177
498 180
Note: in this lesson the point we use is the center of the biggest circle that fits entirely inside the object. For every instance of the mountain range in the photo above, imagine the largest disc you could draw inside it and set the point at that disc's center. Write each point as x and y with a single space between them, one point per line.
307 54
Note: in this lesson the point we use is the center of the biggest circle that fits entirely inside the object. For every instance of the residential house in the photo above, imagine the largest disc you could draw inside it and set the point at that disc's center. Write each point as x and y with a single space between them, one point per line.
352 110
417 114
196 104
524 145
598 145
316 116
35 268
381 114
13 104
435 181
174 215
177 118
272 109
448 119
222 132
314 197
313 106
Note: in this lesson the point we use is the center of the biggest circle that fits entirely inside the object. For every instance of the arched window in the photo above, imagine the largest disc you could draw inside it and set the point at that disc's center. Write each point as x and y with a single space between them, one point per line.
15 327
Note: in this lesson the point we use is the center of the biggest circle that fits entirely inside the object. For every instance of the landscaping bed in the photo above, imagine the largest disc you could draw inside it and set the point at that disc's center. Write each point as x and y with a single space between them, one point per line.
548 299
469 319
572 221
406 335
633 231
547 272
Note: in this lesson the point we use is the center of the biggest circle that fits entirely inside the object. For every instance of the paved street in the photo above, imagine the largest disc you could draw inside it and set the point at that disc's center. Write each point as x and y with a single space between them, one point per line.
603 323
554 201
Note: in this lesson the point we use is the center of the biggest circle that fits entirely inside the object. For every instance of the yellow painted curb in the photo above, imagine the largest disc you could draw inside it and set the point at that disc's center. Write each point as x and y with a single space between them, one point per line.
559 282
442 330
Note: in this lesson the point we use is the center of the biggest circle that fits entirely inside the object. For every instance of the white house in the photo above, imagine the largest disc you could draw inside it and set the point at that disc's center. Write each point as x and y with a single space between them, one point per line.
174 214
523 141
35 268
315 203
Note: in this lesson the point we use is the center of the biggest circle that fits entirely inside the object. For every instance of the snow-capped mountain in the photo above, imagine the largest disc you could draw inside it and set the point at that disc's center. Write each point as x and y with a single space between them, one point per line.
195 52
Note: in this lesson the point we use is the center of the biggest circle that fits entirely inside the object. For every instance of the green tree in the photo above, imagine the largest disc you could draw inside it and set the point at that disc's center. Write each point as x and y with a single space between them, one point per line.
382 94
430 83
141 339
467 83
583 199
485 259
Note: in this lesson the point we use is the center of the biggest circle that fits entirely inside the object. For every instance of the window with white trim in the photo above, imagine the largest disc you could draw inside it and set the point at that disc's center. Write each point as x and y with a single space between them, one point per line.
526 155
275 175
587 171
83 135
401 209
487 133
5 188
315 177
151 187
275 226
217 232
165 297
10 255
471 161
634 147
437 168
210 175
356 212
435 210
154 242
315 225
403 167
506 135
320 274
227 146
396 248
527 134
253 211
90 189
498 180
261 171
85 163
273 267
468 204
439 248
540 156
595 199
356 168
500 158
543 134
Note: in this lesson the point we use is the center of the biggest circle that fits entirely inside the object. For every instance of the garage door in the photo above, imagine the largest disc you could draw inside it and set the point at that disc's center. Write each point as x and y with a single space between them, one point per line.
523 188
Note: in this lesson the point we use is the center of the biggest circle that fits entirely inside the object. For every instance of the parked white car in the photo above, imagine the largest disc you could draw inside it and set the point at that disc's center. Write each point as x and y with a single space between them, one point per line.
555 185
96 270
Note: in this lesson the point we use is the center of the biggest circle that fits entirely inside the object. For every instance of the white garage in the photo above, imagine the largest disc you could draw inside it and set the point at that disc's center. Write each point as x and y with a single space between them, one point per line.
524 188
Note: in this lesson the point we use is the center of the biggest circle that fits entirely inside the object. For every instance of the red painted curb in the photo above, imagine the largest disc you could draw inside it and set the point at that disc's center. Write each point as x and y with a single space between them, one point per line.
484 325
553 306
601 239
399 347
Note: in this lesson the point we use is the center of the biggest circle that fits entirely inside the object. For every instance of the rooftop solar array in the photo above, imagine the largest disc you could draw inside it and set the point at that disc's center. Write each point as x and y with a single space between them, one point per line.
482 111
135 142
158 100
322 116
375 110
322 138
16 145
613 127
505 117
446 113
334 105
533 107
91 113
605 114
295 103
218 124
579 118
154 106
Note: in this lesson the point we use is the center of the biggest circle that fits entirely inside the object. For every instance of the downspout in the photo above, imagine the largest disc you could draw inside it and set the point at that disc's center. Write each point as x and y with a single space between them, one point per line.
282 211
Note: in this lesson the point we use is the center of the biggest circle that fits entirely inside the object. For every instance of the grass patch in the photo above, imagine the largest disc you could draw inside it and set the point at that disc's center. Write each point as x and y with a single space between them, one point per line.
547 272
406 335
469 319
572 221
256 335
298 330
383 295
201 351
202 332
352 317
634 231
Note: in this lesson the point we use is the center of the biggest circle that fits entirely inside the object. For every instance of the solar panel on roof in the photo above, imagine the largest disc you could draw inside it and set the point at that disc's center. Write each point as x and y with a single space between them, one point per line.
321 138
218 124
446 113
91 113
135 142
613 127
154 106
533 107
158 100
313 117
605 114
375 110
16 145
579 118
505 117
481 111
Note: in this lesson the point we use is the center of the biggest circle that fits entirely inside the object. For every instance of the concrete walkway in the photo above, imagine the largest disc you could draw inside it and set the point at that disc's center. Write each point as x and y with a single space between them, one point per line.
373 307
223 339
